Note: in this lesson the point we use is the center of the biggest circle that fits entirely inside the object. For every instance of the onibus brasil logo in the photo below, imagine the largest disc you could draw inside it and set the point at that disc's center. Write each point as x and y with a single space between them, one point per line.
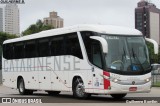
12 2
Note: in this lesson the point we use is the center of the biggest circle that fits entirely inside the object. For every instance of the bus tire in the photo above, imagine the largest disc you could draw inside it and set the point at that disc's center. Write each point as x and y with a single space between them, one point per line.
54 92
118 96
21 88
78 89
29 92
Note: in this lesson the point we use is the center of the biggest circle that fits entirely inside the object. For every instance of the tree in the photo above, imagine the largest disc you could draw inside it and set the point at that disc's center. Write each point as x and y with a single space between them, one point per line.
35 28
4 36
154 58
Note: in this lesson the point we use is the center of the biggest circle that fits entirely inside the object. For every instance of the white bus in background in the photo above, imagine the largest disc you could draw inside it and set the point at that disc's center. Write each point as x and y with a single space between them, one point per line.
83 59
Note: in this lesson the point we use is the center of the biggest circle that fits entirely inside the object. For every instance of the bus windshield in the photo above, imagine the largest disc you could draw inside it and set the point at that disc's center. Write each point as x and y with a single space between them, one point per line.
127 54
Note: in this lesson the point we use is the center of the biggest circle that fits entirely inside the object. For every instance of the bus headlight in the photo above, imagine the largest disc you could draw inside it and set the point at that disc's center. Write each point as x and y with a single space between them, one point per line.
148 79
115 80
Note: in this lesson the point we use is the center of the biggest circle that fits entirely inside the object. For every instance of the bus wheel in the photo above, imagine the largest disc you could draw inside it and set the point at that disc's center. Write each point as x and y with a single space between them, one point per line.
78 89
118 96
54 92
29 92
21 88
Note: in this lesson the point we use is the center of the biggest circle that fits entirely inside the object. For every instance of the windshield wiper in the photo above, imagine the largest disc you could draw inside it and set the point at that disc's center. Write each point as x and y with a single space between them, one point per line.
135 56
124 54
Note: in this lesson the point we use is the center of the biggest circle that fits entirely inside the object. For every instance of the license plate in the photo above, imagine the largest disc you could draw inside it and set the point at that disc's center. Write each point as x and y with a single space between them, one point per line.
133 89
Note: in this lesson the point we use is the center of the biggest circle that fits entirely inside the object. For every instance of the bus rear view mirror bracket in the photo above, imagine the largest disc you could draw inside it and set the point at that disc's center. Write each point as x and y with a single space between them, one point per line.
154 43
103 43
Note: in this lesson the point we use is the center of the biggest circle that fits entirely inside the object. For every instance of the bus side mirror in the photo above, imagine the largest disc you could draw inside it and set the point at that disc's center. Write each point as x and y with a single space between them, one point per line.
103 43
154 43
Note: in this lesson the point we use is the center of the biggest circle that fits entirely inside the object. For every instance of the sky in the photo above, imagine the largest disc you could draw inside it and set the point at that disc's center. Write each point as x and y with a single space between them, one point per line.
110 12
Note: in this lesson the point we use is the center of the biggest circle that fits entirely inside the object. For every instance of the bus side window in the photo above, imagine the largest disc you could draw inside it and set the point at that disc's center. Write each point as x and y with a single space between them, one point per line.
73 46
93 49
18 50
96 54
8 51
57 46
30 49
5 49
87 43
43 47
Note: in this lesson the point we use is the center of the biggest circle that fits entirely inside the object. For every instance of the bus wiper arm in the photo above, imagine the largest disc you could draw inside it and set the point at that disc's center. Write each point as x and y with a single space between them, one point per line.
135 56
124 54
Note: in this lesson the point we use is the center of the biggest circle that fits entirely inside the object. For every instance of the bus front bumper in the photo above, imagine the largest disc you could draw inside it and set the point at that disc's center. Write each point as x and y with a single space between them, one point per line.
118 89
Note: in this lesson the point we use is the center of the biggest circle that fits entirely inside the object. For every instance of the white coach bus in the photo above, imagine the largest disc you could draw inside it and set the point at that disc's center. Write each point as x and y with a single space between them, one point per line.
83 59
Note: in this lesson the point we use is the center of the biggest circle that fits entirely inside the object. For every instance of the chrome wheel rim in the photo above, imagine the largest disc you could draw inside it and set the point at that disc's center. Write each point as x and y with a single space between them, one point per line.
21 87
80 90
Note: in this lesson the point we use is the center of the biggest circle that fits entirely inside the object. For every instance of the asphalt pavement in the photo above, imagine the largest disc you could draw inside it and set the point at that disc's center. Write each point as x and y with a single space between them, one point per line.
66 97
